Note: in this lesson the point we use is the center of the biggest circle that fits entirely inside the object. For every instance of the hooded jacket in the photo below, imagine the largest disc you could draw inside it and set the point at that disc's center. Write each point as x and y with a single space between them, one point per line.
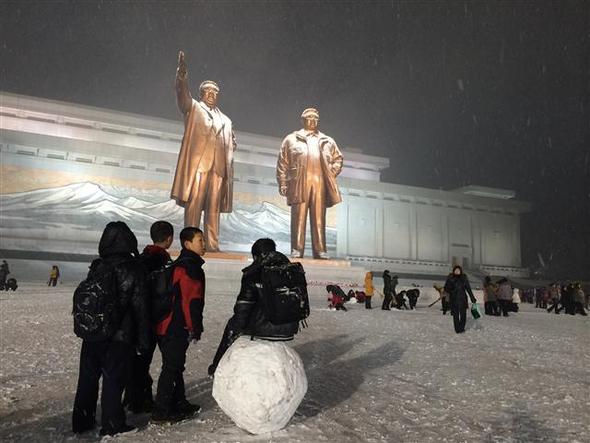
117 250
249 316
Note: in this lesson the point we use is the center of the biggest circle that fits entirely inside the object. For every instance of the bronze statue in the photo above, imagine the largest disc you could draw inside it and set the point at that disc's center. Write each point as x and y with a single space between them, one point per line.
204 173
308 165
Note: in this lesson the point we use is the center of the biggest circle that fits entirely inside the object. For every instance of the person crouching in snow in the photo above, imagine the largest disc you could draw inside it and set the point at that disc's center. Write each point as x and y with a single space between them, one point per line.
413 295
335 298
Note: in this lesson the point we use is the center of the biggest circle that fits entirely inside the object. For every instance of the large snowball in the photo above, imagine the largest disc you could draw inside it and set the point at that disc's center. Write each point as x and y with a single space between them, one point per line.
259 384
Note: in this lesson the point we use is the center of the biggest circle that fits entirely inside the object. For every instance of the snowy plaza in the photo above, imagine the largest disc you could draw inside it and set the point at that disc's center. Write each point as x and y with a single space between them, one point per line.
399 376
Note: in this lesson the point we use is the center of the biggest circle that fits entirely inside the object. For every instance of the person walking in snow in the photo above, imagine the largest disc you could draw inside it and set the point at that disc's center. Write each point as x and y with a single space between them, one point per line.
458 288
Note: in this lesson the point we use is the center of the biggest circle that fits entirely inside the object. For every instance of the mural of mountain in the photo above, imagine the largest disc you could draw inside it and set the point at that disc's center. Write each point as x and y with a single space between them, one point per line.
70 218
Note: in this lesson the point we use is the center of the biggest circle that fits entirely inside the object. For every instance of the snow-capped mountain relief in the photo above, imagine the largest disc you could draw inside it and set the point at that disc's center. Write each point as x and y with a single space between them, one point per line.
62 212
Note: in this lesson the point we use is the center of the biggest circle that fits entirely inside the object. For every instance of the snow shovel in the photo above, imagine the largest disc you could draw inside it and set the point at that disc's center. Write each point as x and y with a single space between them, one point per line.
435 301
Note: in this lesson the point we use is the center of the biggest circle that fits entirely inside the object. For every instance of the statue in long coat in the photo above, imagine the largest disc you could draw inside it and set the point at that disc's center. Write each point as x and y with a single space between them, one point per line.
203 181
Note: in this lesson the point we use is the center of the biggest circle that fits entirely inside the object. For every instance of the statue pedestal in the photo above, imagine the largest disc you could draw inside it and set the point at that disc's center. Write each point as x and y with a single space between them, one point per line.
322 263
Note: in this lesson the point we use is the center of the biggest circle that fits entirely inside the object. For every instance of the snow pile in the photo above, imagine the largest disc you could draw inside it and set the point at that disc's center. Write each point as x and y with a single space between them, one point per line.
259 384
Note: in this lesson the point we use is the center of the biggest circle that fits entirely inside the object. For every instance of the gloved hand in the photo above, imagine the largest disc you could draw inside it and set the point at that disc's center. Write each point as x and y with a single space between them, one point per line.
211 369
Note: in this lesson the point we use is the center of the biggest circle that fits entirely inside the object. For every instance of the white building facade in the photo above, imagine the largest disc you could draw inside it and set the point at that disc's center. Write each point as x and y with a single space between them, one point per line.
48 145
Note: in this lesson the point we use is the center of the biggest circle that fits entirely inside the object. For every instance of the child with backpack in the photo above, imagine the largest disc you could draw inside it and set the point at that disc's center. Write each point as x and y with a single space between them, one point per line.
111 316
138 393
272 300
183 324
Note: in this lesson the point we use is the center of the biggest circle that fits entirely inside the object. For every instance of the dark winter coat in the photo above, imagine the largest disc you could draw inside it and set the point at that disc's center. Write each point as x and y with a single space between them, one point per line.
457 286
116 247
249 317
386 283
4 271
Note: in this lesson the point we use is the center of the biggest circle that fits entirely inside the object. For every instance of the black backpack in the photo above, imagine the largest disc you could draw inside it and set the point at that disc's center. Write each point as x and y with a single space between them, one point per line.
161 292
95 305
284 293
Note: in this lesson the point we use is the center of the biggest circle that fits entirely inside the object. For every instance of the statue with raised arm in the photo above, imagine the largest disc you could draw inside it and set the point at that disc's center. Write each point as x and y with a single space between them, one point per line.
203 181
308 165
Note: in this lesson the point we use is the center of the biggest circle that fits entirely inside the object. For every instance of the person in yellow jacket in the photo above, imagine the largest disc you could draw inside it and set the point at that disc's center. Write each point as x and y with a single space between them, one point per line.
53 276
369 290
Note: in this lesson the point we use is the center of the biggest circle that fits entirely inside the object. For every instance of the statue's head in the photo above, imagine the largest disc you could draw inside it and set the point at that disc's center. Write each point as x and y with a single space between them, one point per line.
310 118
209 91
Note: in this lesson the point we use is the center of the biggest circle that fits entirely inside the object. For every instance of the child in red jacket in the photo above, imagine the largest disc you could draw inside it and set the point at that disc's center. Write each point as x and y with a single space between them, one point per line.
182 325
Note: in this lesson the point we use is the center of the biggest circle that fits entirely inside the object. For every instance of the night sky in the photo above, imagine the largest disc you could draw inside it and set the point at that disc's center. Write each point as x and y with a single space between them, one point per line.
454 93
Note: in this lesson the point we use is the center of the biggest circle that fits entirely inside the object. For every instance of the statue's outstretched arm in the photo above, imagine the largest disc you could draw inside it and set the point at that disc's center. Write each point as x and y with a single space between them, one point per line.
184 99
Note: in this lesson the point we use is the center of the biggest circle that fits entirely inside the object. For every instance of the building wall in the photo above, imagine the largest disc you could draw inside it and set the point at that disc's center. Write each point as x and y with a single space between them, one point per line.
49 145
414 229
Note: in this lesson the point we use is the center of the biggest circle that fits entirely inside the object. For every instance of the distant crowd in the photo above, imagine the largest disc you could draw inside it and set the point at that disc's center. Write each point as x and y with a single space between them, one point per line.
568 297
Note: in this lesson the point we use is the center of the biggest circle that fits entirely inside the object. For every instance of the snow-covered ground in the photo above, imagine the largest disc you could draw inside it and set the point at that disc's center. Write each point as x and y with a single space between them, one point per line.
373 376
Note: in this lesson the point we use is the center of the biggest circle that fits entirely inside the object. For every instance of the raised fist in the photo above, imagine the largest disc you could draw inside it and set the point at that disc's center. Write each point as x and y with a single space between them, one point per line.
182 71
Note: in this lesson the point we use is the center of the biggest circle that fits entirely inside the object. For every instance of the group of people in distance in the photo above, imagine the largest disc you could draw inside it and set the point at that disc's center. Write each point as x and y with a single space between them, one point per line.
391 298
122 357
498 297
568 297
